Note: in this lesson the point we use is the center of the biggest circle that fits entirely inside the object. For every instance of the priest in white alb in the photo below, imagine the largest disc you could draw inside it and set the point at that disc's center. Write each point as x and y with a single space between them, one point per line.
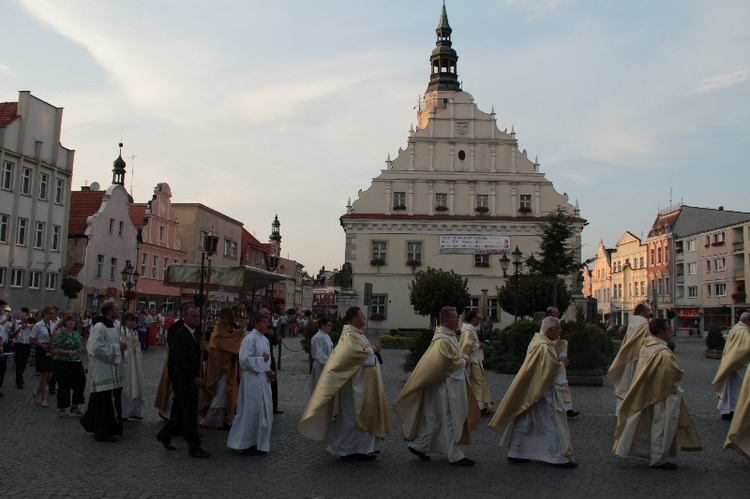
251 430
621 371
436 407
531 418
321 347
348 406
733 367
653 417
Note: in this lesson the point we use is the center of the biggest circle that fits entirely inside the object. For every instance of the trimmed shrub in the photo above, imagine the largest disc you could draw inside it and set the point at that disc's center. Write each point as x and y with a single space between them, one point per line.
421 341
714 339
588 346
397 341
507 353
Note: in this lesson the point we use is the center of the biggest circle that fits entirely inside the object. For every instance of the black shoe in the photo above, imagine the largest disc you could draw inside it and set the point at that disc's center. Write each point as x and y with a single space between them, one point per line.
349 458
276 411
108 438
166 442
517 460
571 413
250 451
666 466
569 464
727 417
465 462
421 455
199 453
366 457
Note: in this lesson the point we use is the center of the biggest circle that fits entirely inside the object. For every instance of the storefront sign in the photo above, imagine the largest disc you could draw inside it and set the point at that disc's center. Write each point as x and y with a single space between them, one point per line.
689 312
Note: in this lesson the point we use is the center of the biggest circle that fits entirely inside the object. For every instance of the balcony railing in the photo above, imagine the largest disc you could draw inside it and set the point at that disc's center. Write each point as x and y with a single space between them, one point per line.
738 246
739 273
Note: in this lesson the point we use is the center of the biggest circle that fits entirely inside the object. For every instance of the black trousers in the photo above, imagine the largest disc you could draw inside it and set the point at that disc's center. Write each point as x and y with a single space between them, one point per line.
102 416
21 353
69 377
184 418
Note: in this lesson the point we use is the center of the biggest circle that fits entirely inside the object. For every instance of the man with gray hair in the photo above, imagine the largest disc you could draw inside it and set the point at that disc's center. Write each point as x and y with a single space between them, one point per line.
531 418
733 367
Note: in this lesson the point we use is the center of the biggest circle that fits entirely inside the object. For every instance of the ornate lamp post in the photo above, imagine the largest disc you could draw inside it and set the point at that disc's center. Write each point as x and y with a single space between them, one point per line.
517 261
129 281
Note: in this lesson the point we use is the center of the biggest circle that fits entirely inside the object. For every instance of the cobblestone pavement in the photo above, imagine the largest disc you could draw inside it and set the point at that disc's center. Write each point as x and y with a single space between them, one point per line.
44 456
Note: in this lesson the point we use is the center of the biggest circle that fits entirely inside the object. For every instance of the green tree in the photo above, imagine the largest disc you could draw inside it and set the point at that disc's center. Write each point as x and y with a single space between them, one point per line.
70 287
535 293
555 256
433 289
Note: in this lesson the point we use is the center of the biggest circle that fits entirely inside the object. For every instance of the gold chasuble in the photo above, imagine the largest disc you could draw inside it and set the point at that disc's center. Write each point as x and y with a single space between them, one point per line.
738 437
223 358
477 381
344 364
629 351
658 377
535 378
736 354
165 387
441 359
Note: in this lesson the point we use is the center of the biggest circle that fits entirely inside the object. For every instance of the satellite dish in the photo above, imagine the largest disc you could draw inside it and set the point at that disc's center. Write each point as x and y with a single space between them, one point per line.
94 186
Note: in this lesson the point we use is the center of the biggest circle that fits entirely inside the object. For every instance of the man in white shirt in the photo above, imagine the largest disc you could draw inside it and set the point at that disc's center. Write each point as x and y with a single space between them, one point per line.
321 347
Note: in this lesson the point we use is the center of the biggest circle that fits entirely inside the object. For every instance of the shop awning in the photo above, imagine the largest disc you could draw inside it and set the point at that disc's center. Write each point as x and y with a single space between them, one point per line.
226 278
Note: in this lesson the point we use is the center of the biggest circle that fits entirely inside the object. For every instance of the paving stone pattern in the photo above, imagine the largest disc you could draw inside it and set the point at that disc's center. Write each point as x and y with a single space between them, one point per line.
44 456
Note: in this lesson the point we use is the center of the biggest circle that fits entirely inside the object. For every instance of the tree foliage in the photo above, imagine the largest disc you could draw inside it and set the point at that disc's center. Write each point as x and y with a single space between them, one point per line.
71 287
433 289
555 256
535 293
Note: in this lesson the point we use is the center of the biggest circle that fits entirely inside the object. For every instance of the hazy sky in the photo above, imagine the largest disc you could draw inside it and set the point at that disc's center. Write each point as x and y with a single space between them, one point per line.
256 108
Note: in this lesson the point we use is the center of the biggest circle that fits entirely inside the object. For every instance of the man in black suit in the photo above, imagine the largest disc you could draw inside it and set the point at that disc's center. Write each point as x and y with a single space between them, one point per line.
184 374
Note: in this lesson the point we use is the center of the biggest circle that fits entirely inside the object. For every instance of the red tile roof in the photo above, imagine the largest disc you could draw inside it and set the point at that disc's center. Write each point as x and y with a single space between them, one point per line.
83 204
138 215
8 113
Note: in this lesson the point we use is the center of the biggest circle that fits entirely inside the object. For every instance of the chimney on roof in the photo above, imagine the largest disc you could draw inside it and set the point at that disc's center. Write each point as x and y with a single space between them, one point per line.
85 188
721 208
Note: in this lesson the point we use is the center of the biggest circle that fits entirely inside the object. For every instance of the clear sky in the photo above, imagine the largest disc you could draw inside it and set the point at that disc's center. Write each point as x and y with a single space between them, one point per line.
256 108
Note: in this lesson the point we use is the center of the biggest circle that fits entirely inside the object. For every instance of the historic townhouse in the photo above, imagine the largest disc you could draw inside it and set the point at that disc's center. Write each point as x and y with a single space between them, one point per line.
35 176
601 282
629 277
458 197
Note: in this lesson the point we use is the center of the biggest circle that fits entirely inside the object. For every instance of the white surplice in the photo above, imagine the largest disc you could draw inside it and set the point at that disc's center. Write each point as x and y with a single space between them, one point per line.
252 424
345 436
728 401
321 347
135 390
537 434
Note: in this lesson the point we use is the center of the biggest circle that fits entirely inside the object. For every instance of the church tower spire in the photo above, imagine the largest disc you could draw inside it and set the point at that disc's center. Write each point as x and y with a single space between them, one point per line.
118 172
444 60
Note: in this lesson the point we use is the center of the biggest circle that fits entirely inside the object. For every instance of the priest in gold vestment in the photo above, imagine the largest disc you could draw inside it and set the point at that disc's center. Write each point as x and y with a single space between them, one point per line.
733 367
653 417
738 437
436 407
348 407
531 419
621 370
472 347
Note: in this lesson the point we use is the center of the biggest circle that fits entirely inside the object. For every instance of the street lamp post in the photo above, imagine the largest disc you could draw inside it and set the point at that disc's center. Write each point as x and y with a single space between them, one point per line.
517 261
129 281
210 241
273 261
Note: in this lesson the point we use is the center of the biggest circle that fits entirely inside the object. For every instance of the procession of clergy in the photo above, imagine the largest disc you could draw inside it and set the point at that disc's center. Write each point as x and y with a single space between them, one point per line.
447 393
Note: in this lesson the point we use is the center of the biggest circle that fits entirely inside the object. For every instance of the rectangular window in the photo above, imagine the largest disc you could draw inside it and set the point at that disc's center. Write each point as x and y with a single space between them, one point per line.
16 278
166 264
144 264
719 238
692 291
51 281
233 249
666 285
378 251
483 201
666 255
43 181
2 277
99 266
113 269
414 253
120 229
6 181
492 308
482 261
653 254
203 240
35 280
441 200
692 268
21 232
708 266
708 290
155 268
708 241
473 305
719 264
111 225
377 307
226 247
55 238
658 255
399 200
38 235
691 245
526 201
721 289
162 233
643 288
641 263
26 181
4 224
59 191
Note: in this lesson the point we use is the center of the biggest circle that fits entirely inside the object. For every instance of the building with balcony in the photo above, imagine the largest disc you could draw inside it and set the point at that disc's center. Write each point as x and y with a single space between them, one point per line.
35 179
458 197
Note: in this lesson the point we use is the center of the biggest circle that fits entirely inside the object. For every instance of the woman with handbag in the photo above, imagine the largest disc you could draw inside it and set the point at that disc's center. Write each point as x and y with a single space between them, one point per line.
66 360
41 338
